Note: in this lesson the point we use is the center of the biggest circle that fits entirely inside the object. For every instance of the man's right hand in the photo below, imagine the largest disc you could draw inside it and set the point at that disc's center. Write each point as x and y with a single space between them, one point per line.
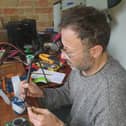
32 90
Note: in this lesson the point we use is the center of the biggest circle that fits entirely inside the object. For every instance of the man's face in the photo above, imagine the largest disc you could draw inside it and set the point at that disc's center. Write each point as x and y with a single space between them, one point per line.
76 54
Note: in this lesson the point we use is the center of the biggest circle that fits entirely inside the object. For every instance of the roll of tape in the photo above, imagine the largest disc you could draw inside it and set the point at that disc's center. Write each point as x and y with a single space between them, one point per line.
18 122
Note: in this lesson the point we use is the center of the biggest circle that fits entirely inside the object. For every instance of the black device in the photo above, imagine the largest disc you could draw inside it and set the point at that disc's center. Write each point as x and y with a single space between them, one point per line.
22 32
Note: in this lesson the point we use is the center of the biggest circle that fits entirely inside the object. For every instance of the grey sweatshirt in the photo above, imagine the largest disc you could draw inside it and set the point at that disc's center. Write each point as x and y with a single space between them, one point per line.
97 100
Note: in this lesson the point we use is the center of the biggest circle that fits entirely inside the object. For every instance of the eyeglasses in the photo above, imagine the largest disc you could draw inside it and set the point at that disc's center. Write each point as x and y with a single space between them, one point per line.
70 54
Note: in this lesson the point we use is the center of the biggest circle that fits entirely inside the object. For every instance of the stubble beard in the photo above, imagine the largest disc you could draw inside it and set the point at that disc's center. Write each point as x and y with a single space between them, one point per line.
86 63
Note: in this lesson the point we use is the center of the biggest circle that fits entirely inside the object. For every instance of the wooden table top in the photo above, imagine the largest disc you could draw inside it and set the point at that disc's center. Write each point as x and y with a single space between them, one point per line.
7 114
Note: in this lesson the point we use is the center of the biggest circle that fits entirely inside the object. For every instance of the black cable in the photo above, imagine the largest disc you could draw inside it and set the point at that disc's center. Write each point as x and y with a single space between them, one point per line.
28 80
41 67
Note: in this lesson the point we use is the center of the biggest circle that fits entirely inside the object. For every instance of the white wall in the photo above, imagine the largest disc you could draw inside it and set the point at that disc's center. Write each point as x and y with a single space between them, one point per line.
117 45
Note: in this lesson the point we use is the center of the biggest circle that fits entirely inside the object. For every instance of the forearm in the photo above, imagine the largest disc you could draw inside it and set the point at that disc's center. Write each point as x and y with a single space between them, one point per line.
54 98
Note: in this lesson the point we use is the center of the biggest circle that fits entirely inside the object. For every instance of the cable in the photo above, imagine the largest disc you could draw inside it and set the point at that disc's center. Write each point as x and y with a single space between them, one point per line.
43 72
8 54
11 45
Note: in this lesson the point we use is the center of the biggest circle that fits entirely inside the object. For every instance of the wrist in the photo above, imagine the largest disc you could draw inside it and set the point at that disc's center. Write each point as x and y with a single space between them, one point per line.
60 124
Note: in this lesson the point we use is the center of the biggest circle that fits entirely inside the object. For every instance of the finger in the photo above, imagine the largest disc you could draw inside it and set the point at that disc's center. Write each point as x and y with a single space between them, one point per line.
32 86
36 122
23 82
33 116
22 96
25 85
32 95
40 110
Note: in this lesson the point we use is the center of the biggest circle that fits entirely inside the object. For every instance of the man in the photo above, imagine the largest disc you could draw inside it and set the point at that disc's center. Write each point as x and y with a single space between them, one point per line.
96 87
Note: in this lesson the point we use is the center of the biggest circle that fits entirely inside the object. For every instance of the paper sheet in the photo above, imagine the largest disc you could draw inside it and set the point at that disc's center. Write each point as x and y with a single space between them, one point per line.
52 76
16 85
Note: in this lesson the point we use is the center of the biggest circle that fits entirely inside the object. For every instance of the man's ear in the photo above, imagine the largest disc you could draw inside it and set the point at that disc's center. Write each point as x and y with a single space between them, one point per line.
96 51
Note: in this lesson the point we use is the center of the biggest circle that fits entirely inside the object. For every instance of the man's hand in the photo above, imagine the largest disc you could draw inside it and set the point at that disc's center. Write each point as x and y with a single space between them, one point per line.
43 117
32 90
